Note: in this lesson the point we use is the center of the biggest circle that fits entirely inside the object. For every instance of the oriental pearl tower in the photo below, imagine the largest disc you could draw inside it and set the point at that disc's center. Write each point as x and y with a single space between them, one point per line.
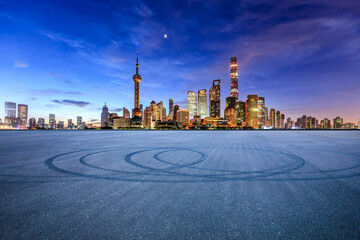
136 112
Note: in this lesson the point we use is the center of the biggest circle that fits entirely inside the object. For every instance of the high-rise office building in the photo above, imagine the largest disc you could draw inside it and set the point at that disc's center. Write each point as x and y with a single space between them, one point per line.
231 113
277 119
202 104
231 102
23 114
162 111
182 117
338 122
252 111
234 91
214 99
41 123
282 120
105 116
10 109
261 112
52 121
241 109
171 107
176 108
32 123
325 123
70 124
272 118
79 121
266 116
126 112
358 122
60 125
191 102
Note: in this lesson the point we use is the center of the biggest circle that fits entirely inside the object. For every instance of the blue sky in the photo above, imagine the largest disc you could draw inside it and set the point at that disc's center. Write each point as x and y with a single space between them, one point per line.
69 57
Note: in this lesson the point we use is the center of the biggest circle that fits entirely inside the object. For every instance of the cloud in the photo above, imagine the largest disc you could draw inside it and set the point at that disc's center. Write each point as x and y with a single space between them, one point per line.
72 102
50 92
21 64
116 109
55 74
57 37
92 120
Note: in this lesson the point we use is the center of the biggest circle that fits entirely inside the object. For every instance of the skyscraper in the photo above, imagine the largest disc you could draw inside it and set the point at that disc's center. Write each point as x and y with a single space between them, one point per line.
162 111
230 102
191 102
358 122
70 124
282 120
338 122
278 119
23 114
126 113
234 91
241 109
261 112
52 121
171 107
10 109
176 108
214 99
32 123
78 121
41 123
272 118
104 116
252 111
202 104
182 117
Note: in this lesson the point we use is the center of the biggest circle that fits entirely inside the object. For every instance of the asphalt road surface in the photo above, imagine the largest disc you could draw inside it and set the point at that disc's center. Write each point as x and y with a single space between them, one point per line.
180 184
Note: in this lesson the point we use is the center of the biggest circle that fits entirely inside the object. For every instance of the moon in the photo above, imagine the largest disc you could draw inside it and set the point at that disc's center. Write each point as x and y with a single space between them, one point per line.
165 35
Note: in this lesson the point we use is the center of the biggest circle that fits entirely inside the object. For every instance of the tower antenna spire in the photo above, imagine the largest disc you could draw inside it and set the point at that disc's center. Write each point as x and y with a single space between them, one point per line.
137 58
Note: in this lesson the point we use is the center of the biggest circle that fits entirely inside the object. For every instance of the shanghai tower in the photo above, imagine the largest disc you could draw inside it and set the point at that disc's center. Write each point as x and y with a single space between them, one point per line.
234 91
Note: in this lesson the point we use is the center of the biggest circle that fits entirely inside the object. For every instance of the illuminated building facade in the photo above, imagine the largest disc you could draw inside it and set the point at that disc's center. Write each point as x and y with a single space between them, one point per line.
126 113
325 123
171 108
261 112
338 122
105 116
234 91
241 109
23 114
10 109
182 117
277 119
282 120
230 114
214 99
202 103
252 111
272 118
191 103
52 121
162 111
176 108
358 122
230 102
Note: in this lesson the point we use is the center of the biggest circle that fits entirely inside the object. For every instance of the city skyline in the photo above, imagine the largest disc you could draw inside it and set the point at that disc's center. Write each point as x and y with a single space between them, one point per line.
71 70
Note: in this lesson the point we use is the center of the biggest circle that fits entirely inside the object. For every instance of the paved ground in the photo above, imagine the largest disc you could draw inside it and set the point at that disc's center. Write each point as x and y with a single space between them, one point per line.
180 185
